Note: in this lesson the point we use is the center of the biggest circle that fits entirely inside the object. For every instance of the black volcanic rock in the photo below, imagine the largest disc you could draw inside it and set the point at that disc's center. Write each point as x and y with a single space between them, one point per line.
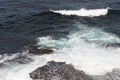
35 50
58 71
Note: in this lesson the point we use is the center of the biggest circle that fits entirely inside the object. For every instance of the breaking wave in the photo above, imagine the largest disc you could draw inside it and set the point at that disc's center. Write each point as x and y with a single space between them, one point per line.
82 48
83 12
86 50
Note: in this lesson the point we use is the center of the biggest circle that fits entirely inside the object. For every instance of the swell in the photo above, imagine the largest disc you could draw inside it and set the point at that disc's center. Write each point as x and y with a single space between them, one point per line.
79 43
114 12
24 30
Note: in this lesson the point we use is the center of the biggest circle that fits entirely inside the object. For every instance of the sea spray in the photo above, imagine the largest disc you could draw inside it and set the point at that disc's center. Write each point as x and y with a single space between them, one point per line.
77 49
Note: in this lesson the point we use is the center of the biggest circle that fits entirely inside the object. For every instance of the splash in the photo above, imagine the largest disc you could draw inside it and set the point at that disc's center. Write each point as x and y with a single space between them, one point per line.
83 12
80 49
85 51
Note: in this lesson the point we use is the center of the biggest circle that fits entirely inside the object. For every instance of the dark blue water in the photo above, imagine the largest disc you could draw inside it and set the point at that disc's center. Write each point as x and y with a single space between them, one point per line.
22 21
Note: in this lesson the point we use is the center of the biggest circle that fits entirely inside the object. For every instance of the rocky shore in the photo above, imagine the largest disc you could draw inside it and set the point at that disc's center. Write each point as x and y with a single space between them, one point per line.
58 71
62 71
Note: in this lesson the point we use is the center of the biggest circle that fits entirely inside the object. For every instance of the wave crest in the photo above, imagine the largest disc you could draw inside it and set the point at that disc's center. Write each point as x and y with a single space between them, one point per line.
83 12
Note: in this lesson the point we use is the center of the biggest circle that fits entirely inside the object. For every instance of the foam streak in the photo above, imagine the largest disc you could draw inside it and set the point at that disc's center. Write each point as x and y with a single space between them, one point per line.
83 12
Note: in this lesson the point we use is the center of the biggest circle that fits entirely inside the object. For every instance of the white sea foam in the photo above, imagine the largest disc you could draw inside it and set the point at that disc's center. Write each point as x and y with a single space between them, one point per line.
82 49
79 48
83 12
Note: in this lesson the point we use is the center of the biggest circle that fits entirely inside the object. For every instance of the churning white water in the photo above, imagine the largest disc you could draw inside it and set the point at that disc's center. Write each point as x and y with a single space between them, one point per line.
83 49
83 12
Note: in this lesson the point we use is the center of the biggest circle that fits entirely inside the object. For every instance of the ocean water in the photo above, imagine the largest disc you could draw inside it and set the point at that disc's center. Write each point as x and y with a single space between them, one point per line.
83 33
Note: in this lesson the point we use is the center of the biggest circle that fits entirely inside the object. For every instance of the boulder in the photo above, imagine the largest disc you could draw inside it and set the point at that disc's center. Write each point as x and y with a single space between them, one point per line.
58 71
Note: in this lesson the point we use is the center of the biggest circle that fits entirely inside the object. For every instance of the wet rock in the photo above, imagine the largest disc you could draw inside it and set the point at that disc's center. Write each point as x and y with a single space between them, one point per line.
35 50
19 60
113 45
58 71
114 75
2 65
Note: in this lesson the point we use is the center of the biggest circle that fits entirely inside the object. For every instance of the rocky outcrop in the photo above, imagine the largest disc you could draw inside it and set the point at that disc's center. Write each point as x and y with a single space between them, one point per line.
17 60
113 45
58 71
114 75
20 60
36 51
61 71
25 58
